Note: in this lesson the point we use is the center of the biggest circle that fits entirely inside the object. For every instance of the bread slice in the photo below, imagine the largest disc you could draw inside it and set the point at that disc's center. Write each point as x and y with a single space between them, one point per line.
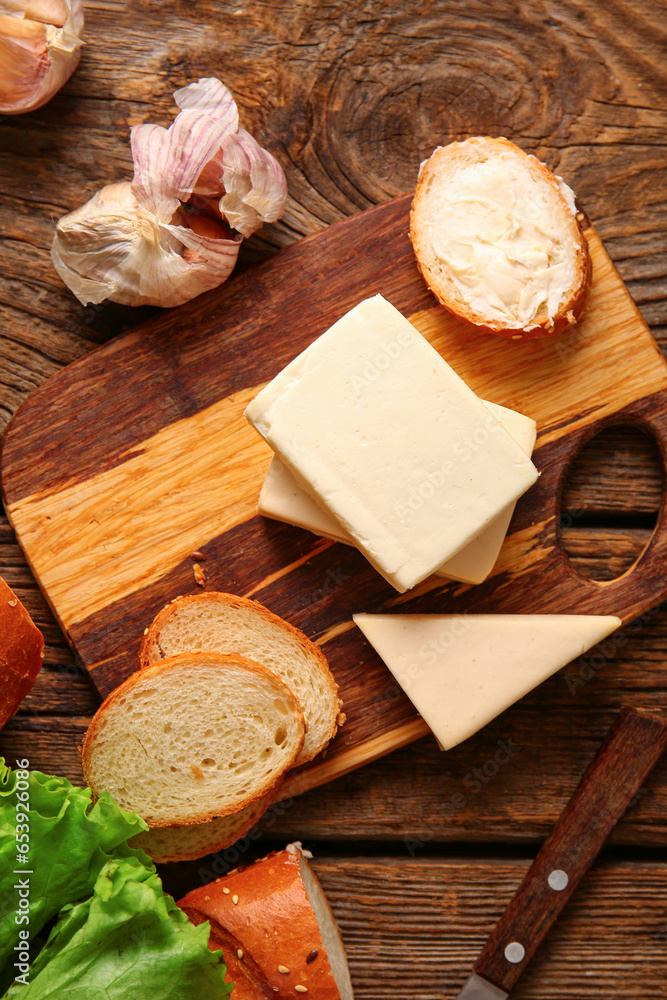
187 843
197 736
275 926
497 239
229 624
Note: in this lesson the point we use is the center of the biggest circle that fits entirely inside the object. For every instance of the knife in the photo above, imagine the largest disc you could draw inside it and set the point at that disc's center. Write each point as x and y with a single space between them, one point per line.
632 748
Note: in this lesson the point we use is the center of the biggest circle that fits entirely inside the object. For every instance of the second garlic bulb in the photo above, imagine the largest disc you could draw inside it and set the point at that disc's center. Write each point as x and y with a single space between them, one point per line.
40 47
142 243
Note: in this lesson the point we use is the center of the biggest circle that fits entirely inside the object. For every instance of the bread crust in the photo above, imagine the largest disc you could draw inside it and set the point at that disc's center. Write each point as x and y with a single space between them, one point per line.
21 652
210 842
272 923
163 668
150 651
447 159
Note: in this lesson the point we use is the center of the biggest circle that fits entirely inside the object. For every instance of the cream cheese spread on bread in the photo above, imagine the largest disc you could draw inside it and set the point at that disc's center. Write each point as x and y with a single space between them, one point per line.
498 237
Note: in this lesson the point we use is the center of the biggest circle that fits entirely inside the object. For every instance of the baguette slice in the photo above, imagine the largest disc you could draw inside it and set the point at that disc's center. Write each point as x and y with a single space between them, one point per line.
21 652
281 921
497 239
229 624
187 843
197 736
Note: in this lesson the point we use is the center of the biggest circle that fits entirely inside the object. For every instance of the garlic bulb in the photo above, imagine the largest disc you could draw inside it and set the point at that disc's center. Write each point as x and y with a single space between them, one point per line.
115 248
149 242
40 47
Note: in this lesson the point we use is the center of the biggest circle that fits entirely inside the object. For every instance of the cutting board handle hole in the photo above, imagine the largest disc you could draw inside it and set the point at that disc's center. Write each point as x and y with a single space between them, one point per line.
611 501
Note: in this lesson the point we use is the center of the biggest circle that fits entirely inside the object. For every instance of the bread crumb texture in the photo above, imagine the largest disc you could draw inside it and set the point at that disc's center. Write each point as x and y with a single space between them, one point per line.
193 738
226 623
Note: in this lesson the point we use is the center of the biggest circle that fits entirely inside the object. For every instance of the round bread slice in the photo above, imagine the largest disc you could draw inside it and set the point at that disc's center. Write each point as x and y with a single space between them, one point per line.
498 241
229 624
276 929
187 843
197 736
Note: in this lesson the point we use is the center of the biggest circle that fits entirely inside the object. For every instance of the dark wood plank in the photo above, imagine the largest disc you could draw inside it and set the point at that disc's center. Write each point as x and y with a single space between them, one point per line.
413 928
611 782
350 100
602 553
416 929
616 474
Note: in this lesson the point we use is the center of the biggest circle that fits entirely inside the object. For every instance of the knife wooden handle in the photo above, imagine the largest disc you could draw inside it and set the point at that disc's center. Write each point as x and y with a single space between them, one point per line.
633 746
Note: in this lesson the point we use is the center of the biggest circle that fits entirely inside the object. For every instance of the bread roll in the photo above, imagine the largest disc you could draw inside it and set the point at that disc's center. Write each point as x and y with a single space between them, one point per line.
276 929
21 652
497 239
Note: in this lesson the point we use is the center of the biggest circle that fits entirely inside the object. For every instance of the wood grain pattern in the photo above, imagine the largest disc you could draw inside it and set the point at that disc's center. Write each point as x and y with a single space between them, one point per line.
413 928
350 98
180 469
629 753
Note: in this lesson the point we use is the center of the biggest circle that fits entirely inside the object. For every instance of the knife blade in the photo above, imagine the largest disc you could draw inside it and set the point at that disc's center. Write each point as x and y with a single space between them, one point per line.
631 749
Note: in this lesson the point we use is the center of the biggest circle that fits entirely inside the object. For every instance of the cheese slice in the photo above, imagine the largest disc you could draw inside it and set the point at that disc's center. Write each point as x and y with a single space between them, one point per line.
283 499
461 671
375 424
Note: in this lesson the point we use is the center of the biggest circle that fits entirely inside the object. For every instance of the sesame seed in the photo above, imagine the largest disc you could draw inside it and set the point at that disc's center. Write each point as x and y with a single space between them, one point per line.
240 953
235 899
312 956
301 989
225 890
207 898
13 603
283 969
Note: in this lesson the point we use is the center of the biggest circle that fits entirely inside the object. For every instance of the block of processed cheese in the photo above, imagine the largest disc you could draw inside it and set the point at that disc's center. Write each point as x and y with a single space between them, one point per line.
372 422
283 499
461 671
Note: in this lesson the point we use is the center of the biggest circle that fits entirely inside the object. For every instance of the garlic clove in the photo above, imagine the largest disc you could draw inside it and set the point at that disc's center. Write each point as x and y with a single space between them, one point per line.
254 182
203 224
53 12
249 178
37 56
114 248
211 97
167 162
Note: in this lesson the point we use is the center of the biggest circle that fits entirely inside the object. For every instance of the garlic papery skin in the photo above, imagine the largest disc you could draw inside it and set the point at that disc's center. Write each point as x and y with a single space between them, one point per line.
40 47
248 180
144 242
115 248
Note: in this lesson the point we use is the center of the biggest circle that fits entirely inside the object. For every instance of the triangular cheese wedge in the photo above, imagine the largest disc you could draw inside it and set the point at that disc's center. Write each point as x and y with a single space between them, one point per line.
461 671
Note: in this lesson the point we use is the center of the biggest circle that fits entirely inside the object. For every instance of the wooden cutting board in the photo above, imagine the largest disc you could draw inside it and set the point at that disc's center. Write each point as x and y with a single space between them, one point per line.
125 463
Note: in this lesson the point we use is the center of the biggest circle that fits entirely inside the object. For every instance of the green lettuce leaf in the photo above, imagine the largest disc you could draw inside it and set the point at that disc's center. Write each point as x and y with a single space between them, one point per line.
69 842
128 940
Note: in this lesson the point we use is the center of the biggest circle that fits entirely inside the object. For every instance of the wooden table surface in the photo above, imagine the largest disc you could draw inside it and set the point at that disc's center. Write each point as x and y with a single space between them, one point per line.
420 851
